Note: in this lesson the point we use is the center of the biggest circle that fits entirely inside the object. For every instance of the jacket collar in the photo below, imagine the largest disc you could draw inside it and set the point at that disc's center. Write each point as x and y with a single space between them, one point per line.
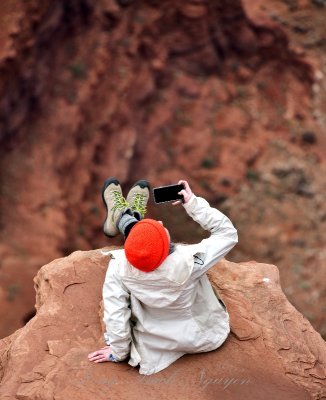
176 268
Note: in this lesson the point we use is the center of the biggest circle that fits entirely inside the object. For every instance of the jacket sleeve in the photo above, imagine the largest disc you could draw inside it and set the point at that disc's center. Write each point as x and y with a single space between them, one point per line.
116 304
222 239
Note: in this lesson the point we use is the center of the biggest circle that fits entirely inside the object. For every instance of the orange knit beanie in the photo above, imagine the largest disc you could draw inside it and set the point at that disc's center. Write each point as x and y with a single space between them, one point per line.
147 245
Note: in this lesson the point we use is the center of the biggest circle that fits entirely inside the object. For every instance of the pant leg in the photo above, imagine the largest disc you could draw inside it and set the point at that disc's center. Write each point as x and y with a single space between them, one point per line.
126 222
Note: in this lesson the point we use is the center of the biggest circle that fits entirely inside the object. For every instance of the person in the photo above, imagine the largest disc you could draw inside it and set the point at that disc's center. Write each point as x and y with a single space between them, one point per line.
158 301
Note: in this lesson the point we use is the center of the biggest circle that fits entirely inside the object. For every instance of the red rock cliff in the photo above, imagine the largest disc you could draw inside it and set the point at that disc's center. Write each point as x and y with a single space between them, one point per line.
227 94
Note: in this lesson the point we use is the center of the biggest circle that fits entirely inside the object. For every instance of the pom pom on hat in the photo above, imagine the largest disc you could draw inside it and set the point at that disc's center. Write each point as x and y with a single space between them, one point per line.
147 245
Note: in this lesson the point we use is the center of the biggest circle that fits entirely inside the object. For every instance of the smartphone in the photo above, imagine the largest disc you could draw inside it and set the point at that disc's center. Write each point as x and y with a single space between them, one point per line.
163 194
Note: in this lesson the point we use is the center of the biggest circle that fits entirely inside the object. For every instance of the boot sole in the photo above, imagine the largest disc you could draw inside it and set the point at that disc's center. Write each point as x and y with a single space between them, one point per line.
142 183
106 184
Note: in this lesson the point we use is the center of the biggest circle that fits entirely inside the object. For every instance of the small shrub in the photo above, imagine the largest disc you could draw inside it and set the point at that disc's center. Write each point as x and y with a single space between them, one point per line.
94 209
252 175
79 70
304 285
182 117
309 137
13 290
208 162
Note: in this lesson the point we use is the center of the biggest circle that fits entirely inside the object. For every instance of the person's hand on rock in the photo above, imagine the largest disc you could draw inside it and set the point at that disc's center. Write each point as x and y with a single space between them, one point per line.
100 355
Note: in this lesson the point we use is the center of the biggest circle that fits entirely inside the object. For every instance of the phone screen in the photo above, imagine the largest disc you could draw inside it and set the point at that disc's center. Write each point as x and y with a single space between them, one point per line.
167 193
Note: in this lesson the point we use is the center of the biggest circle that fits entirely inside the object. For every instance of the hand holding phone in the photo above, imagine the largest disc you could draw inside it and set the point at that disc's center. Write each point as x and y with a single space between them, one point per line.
164 194
186 193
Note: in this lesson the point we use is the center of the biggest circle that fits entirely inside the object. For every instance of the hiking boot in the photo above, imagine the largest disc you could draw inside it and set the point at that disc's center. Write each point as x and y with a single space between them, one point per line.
115 205
138 197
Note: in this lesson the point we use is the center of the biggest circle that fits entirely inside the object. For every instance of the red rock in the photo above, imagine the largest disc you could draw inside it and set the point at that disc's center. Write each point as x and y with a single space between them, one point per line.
272 351
193 10
231 118
89 94
188 86
244 74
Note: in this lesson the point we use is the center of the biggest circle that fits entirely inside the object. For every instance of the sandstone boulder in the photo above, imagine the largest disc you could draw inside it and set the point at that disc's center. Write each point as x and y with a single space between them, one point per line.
272 351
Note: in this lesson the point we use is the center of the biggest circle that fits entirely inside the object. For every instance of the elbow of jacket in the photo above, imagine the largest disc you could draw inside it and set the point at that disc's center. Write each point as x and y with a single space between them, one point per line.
235 236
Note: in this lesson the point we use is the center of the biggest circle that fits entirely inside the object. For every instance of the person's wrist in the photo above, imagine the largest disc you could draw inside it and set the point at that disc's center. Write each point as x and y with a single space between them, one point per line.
190 200
190 197
112 358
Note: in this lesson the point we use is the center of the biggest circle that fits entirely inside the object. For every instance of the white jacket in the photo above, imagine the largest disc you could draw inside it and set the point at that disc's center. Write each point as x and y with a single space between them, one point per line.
159 316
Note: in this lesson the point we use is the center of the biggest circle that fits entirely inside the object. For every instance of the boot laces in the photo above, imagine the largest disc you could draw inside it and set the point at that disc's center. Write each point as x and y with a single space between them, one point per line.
139 203
119 201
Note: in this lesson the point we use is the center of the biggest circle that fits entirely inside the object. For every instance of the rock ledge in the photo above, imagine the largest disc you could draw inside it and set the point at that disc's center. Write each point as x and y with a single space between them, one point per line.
272 352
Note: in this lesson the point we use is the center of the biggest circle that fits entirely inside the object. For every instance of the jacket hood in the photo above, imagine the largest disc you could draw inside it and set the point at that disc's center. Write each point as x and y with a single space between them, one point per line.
162 286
